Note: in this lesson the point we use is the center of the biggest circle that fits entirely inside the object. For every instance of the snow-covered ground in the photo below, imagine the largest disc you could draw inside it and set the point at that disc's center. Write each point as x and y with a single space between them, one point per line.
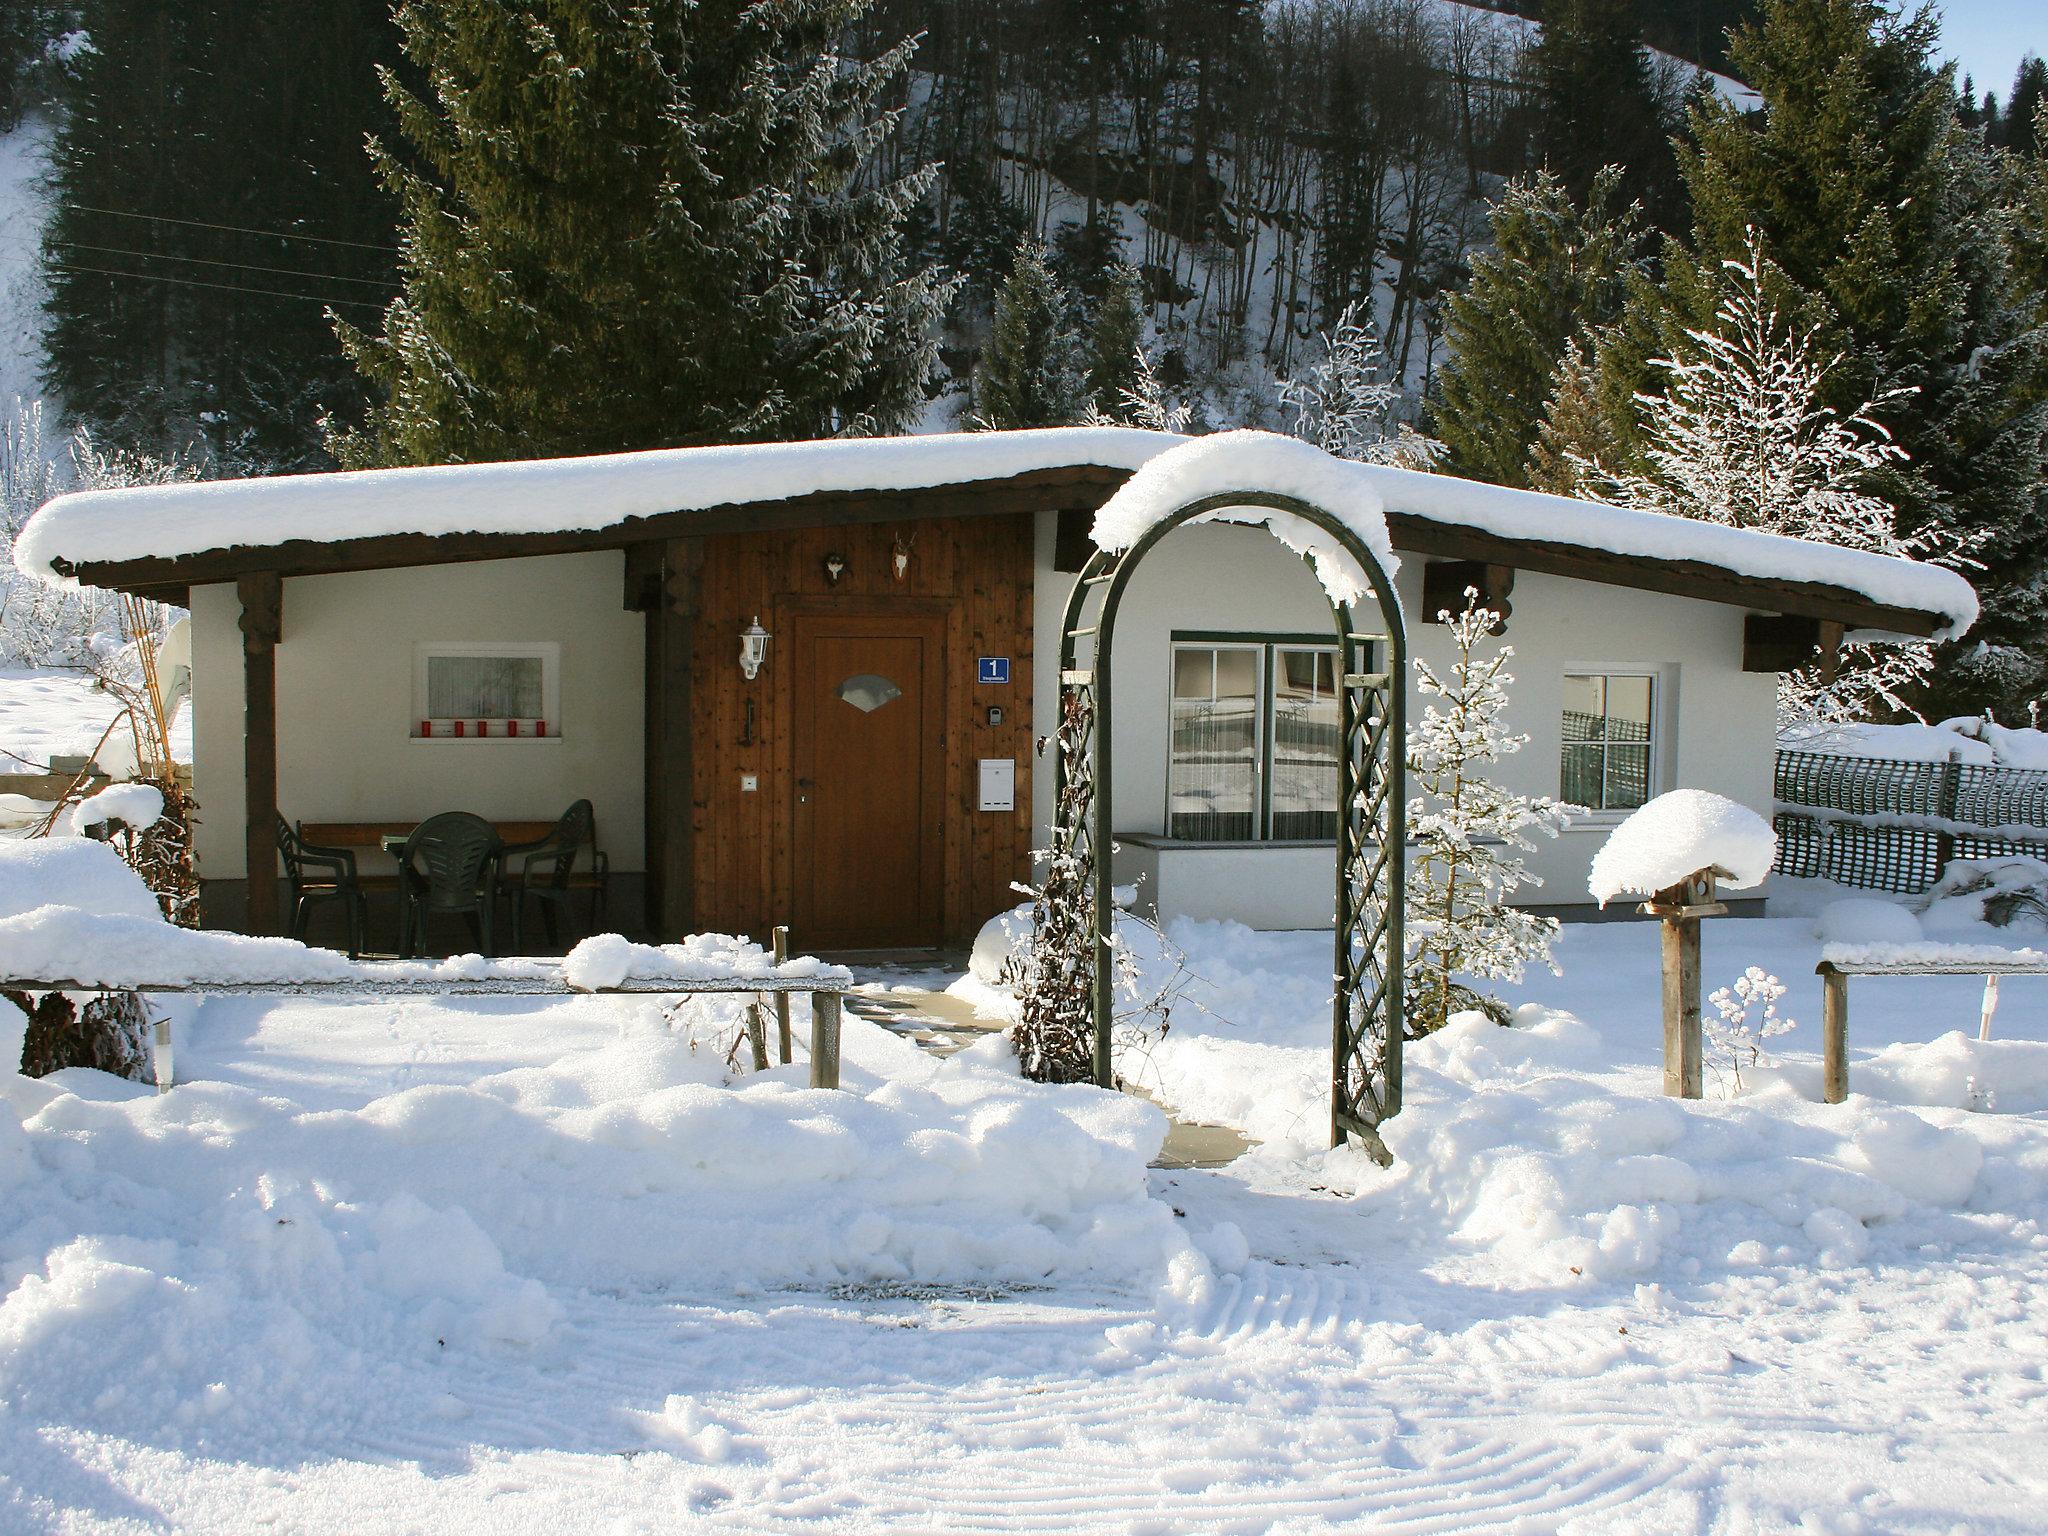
57 711
530 1266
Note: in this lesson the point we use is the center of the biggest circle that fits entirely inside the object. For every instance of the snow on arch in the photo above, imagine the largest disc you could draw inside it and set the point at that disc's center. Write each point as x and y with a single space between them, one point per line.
1678 833
1251 461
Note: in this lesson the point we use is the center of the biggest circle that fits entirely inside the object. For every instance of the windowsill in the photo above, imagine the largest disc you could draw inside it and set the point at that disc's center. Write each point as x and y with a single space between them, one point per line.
1161 840
486 741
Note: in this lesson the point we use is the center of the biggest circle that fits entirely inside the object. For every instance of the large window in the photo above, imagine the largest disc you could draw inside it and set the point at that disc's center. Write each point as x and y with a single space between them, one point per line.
486 689
1609 739
1253 740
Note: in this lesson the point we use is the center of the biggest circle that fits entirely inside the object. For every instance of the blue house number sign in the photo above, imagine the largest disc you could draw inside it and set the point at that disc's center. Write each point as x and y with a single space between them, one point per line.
994 669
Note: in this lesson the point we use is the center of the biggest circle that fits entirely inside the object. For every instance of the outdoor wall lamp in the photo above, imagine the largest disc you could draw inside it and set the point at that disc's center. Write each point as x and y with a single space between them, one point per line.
753 649
835 567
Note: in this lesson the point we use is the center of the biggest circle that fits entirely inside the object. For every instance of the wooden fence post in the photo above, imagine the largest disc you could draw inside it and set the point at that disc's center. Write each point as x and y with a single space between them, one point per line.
1680 907
757 1035
825 1039
781 942
1834 1035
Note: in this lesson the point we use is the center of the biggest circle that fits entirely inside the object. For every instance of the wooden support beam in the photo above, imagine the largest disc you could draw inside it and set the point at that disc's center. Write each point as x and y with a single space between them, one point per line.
262 621
670 761
1445 582
1073 540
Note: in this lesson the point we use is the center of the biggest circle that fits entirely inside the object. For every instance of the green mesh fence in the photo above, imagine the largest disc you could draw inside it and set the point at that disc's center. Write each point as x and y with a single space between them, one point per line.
1895 826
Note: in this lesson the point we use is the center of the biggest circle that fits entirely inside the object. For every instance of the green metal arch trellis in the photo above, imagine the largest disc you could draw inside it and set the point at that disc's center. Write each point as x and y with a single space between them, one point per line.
1365 1045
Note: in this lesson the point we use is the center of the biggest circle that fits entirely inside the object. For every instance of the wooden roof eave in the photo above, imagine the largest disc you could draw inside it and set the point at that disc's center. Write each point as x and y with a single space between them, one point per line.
1069 489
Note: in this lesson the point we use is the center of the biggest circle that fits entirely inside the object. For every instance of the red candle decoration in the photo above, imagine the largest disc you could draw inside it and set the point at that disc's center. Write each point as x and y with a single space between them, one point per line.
483 727
458 728
540 727
426 727
511 727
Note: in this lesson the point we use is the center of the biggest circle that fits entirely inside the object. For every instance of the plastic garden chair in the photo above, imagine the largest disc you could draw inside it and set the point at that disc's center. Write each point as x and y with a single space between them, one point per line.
546 872
318 874
449 864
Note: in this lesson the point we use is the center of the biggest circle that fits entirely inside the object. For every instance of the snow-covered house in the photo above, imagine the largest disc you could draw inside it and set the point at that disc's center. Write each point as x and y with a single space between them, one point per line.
507 638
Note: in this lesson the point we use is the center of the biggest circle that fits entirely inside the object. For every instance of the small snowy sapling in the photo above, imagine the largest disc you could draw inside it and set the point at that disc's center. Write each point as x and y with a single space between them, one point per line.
1734 1041
1351 404
1464 830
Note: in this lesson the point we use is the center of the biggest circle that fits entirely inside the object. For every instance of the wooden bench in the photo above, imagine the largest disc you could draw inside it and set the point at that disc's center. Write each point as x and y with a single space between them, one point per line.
1963 960
373 834
542 979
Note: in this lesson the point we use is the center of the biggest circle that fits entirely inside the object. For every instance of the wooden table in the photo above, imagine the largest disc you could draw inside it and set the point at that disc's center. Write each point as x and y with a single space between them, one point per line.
383 834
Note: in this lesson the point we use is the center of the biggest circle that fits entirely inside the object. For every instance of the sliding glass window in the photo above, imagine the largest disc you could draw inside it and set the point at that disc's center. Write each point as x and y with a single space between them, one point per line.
1254 740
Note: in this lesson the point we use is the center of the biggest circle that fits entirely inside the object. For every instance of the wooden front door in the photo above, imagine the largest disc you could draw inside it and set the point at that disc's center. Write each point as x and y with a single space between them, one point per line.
869 757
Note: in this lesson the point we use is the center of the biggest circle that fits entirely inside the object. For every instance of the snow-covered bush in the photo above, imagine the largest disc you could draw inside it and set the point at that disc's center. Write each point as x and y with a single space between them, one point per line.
1464 830
1745 1016
1350 403
2001 892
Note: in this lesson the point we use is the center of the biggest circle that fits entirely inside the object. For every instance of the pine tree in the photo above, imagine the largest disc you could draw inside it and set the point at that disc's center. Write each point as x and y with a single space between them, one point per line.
1598 105
1890 223
633 228
210 200
1739 432
1575 430
2021 130
1556 270
1031 371
1349 403
1116 338
1464 831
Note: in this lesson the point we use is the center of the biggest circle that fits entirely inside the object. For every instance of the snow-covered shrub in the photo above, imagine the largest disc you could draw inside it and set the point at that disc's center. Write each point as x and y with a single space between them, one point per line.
1351 404
2003 892
1745 1016
1463 829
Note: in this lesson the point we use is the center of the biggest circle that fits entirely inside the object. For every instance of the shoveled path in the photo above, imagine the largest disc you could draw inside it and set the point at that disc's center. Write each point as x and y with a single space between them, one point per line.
942 1024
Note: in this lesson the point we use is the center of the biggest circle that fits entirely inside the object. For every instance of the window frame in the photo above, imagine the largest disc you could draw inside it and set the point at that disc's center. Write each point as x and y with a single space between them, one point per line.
1267 644
1663 681
547 652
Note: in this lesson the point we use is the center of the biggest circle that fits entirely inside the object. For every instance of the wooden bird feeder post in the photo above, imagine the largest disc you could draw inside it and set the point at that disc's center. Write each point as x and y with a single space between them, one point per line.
1680 907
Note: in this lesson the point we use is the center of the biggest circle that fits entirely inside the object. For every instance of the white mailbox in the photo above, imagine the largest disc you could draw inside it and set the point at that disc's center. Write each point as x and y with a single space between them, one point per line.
999 784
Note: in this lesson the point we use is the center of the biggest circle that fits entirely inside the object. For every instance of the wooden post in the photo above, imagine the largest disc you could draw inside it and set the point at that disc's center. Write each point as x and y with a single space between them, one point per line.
663 579
1834 1035
262 595
825 1039
757 1035
1680 907
1682 1044
781 942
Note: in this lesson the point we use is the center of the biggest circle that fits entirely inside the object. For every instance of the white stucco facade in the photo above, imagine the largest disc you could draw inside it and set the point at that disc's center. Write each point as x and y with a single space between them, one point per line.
345 704
1714 722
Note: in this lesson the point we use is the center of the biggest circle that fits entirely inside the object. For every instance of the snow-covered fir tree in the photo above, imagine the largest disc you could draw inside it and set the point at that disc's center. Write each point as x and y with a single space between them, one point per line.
632 227
1465 831
1116 337
1350 402
1031 371
1741 433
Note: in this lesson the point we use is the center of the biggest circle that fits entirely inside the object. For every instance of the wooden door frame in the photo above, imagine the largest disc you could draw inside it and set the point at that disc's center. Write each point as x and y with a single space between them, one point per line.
932 618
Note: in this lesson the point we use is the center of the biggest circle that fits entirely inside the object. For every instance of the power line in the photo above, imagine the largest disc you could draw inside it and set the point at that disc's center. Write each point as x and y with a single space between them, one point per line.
246 266
193 282
239 229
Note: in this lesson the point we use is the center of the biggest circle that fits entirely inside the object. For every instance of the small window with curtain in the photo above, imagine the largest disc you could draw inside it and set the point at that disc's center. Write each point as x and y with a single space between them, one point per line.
486 690
1254 741
1609 739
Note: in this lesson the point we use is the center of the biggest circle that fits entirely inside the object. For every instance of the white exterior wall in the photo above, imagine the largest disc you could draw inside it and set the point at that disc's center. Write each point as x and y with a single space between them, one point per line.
345 701
1715 729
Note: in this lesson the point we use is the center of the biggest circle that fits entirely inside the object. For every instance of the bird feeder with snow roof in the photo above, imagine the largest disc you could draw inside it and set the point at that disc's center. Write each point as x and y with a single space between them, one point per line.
1675 851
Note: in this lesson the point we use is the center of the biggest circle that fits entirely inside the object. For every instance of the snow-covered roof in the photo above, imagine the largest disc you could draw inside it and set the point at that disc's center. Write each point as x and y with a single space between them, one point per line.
111 535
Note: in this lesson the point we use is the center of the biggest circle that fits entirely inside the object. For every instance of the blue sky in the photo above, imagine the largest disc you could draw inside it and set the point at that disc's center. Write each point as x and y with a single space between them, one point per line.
1987 38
